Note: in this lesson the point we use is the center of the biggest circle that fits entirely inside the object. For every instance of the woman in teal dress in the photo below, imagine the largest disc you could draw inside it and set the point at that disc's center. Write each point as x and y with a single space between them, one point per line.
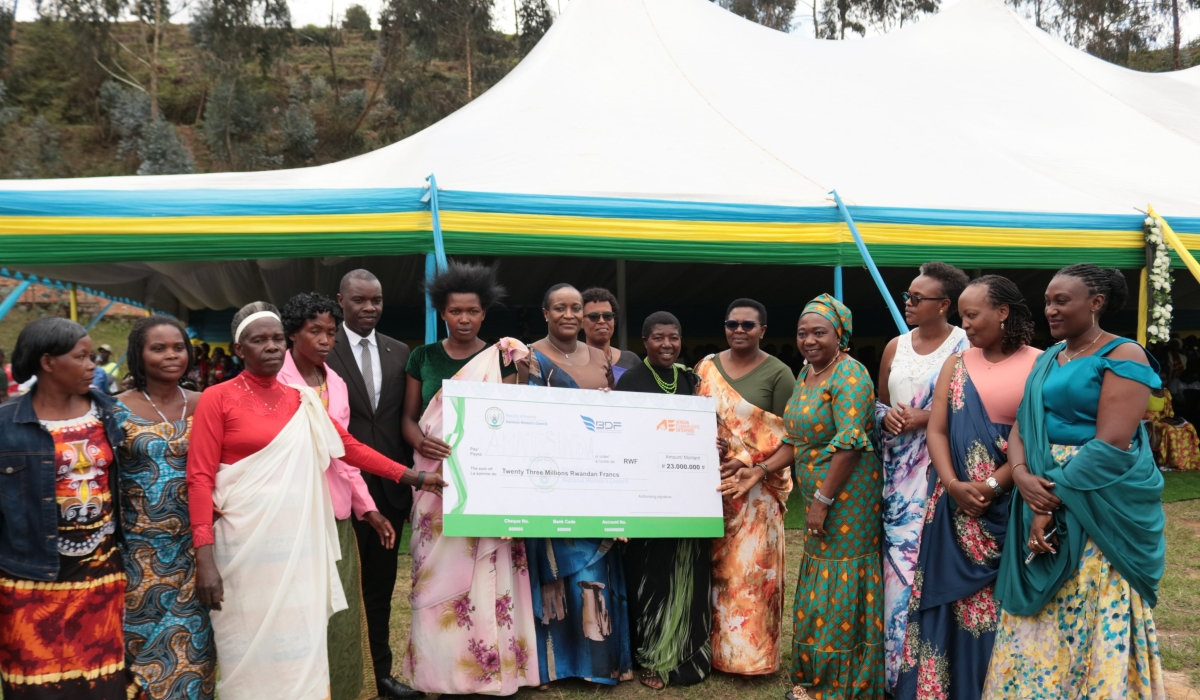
168 636
837 646
1079 577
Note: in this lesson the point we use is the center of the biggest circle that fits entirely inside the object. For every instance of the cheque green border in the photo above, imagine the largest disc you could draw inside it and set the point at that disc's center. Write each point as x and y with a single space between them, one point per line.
466 525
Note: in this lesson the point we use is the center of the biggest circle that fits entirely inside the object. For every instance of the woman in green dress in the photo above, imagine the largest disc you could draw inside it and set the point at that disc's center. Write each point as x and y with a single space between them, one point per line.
837 649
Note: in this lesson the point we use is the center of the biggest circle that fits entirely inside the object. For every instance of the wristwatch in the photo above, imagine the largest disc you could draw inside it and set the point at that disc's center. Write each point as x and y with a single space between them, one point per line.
818 496
995 485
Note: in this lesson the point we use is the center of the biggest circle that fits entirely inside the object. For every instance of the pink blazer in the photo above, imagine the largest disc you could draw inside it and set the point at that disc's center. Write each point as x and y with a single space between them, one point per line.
346 485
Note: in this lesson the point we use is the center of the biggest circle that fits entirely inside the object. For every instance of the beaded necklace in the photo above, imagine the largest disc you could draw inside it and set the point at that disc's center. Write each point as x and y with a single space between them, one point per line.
667 388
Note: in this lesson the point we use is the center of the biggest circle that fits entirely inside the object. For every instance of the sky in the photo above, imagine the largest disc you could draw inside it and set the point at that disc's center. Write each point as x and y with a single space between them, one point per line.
318 12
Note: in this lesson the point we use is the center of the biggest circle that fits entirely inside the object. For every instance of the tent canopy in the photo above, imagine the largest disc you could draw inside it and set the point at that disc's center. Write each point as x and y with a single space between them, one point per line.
673 130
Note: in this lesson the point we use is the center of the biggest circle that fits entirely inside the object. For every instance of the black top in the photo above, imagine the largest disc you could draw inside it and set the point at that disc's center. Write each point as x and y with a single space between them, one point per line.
640 379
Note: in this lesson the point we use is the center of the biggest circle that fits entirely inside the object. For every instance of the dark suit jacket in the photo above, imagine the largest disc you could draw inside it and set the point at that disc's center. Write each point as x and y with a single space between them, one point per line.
380 428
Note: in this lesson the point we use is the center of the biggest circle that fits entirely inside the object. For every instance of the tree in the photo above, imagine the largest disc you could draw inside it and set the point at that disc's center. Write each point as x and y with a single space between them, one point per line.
838 16
143 132
1109 29
8 37
356 19
776 14
534 18
161 151
1171 9
454 29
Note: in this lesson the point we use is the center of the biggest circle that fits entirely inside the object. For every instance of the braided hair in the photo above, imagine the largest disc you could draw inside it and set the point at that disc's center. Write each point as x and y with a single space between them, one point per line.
137 344
1111 283
1018 327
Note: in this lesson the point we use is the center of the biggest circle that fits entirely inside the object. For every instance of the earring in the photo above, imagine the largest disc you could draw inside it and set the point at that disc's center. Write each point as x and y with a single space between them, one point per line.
1093 319
1002 325
941 311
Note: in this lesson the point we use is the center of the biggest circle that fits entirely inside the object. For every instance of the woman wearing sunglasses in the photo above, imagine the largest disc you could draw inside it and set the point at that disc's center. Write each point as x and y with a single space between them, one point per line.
600 309
751 389
908 374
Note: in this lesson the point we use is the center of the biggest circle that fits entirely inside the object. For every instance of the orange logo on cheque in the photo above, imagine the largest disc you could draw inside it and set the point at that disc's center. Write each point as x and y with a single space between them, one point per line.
677 426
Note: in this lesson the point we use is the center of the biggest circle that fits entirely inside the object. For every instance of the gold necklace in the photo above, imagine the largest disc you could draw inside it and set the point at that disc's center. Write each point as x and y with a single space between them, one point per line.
1089 345
836 357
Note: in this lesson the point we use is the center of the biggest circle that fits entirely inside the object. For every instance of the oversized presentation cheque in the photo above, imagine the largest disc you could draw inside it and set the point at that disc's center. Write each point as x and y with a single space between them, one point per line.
533 461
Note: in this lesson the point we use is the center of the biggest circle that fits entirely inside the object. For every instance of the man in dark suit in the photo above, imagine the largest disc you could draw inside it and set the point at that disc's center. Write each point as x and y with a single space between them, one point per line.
372 366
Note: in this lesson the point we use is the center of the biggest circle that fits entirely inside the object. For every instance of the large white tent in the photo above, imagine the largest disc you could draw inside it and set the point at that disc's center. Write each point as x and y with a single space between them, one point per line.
674 130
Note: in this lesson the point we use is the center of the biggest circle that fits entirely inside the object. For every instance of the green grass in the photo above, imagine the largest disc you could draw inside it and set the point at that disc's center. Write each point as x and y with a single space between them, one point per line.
1181 486
1177 616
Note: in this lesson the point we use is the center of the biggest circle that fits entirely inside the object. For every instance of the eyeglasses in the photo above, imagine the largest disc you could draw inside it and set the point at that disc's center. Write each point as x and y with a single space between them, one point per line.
595 316
916 299
747 326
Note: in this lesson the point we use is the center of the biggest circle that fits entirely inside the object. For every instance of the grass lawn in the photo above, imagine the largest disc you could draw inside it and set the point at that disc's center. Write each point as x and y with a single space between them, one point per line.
1177 618
113 330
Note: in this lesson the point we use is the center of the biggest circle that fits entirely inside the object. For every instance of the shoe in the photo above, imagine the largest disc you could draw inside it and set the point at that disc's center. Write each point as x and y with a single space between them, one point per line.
392 689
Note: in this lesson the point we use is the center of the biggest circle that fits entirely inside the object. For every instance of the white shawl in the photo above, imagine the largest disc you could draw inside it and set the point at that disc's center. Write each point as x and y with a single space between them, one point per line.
276 548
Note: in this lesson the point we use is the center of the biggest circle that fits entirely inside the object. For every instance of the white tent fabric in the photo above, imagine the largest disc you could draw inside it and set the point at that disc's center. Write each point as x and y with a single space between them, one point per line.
971 109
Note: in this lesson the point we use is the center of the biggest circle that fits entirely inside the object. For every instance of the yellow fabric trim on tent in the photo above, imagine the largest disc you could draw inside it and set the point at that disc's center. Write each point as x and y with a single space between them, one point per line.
777 232
333 223
711 231
1143 302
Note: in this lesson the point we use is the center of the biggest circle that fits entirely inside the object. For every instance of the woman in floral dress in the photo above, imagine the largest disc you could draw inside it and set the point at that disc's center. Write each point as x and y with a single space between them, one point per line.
1079 580
907 374
472 622
952 613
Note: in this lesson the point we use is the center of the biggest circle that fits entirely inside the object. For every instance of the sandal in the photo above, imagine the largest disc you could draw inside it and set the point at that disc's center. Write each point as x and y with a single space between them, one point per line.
797 693
652 680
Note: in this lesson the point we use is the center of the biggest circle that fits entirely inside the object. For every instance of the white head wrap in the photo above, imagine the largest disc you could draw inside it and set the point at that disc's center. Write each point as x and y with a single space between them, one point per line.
251 319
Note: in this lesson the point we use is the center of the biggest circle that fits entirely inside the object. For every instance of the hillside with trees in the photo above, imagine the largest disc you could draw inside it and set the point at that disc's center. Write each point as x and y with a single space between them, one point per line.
115 87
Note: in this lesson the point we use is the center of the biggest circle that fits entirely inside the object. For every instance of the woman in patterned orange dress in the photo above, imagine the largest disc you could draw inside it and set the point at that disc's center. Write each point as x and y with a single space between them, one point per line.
837 649
748 568
1173 439
62 581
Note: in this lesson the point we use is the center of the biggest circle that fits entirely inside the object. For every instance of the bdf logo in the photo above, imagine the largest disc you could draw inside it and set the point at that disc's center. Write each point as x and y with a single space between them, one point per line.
494 418
601 426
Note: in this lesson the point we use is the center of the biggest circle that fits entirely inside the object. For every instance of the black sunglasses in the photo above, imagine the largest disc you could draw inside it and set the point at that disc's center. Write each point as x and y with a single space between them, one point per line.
595 316
744 325
916 299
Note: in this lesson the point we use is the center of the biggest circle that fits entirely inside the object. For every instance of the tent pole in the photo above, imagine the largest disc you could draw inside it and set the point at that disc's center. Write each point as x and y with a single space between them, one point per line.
837 283
439 244
74 302
96 319
623 319
13 297
430 312
866 256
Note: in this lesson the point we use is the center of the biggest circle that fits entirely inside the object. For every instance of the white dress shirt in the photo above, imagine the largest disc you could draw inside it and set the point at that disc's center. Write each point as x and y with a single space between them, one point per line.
356 348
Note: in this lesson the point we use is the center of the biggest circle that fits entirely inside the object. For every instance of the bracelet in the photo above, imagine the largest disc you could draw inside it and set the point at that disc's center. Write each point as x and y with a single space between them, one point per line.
763 466
952 482
817 495
1019 464
420 479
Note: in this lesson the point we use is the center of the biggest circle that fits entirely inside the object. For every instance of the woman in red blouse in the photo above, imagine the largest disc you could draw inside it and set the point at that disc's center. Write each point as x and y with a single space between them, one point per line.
267 566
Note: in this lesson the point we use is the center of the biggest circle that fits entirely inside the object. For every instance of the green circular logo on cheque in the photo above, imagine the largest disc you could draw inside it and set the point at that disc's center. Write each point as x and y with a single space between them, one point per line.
494 417
543 472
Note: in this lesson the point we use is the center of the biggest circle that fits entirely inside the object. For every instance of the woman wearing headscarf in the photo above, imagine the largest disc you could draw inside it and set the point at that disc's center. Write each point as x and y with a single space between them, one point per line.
751 390
1079 578
670 609
310 323
472 621
837 648
907 374
266 569
168 635
62 581
561 570
953 612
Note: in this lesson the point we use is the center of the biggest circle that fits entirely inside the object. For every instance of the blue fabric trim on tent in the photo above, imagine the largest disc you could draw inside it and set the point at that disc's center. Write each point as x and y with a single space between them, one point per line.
272 202
208 202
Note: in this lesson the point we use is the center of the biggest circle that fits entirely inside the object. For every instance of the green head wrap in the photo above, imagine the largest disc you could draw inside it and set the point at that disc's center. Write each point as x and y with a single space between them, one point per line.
837 314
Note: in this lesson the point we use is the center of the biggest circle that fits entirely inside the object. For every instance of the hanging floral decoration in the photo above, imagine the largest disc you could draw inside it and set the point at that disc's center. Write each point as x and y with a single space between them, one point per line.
1158 328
